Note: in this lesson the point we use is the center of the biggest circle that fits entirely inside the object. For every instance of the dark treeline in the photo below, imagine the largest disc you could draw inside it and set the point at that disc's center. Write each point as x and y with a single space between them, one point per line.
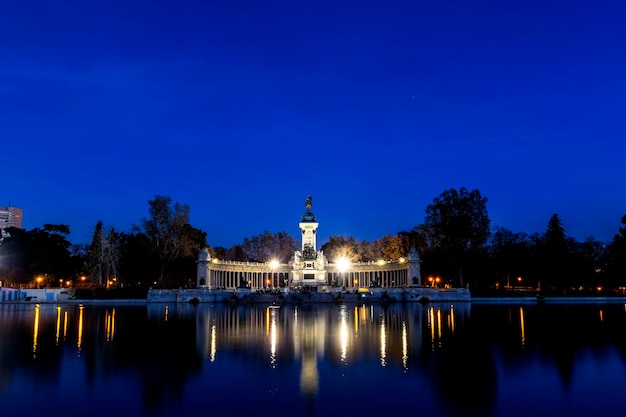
456 243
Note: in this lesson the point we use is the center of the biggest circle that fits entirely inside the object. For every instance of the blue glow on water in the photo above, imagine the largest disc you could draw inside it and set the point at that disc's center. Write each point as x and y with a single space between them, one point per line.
437 359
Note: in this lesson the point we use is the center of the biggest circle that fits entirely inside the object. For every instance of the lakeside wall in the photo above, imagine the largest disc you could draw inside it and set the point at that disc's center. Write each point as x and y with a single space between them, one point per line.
374 295
34 294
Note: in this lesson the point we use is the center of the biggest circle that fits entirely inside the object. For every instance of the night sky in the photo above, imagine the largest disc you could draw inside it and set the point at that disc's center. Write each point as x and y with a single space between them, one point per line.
243 108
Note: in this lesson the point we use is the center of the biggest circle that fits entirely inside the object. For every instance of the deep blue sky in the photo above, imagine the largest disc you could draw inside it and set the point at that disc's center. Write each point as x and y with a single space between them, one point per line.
241 109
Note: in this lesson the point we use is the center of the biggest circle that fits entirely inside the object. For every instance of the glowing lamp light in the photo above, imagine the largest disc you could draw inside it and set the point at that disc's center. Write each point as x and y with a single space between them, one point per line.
273 264
343 264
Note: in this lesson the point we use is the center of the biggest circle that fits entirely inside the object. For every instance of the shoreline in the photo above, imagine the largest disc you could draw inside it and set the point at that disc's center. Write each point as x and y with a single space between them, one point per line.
273 300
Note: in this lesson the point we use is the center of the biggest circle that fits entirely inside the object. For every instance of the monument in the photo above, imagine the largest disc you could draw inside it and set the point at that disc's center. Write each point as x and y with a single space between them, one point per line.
308 270
309 265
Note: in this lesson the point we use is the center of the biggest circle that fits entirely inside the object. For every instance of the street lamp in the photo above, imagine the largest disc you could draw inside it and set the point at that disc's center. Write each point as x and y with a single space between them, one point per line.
273 265
39 279
342 265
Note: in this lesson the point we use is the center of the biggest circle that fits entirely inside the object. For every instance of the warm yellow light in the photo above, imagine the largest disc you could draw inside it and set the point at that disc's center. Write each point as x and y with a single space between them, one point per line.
273 264
268 281
83 278
215 261
401 260
519 279
381 262
356 281
36 330
39 279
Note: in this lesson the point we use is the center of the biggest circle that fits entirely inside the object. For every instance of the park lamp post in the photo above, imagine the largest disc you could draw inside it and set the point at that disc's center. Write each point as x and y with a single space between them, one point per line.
343 264
273 266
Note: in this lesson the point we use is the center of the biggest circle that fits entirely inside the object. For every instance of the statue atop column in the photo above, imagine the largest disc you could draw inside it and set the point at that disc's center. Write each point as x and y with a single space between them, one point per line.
308 216
204 255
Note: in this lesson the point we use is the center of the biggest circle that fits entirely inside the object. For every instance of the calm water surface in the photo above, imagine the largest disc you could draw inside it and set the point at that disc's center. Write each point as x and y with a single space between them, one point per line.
429 360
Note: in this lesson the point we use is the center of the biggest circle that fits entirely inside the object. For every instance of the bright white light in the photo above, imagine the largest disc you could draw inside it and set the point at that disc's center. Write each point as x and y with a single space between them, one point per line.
343 336
273 264
343 264
405 346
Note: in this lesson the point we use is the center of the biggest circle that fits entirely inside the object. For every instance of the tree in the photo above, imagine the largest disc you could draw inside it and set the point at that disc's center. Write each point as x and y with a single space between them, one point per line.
617 257
139 263
103 256
391 247
510 256
555 233
587 263
96 255
268 246
183 268
457 224
166 229
415 238
341 247
40 253
554 255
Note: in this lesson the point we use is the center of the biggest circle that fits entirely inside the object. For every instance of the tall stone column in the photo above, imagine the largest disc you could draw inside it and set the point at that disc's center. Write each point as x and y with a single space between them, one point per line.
415 277
203 276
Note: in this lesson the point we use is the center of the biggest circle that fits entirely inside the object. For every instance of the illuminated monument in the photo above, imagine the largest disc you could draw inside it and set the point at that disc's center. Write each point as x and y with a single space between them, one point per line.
309 277
309 264
309 268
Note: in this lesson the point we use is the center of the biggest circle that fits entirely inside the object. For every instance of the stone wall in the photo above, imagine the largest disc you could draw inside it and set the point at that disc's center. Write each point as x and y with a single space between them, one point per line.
333 295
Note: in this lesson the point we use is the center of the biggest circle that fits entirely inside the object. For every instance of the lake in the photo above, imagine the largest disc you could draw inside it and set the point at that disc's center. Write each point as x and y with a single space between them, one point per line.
461 359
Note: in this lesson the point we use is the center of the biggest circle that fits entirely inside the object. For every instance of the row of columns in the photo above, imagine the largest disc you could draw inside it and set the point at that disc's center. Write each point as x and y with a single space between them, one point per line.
255 280
382 278
269 280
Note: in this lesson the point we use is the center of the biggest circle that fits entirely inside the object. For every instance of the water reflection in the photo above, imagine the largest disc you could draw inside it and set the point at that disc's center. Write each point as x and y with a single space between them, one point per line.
522 325
110 324
35 331
314 360
79 342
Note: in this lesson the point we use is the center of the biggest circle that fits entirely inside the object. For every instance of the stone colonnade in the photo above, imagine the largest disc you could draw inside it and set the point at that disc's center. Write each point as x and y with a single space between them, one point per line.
389 274
262 276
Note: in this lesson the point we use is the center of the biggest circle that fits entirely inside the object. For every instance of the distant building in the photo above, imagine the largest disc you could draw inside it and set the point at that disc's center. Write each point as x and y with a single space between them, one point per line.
10 217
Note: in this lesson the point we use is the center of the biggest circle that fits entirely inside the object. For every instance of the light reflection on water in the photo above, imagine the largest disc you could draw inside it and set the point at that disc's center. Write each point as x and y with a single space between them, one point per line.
312 360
